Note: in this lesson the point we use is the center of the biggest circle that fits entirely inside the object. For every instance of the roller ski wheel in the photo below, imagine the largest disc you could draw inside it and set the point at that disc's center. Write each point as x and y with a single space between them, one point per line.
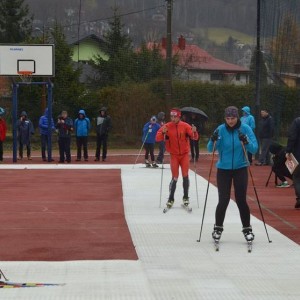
249 237
249 246
187 208
217 245
216 235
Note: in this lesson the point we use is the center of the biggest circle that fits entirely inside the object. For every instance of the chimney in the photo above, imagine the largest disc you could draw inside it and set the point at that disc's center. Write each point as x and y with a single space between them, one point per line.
181 43
164 42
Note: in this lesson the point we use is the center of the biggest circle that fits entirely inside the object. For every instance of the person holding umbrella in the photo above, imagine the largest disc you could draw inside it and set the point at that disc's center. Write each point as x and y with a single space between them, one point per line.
176 134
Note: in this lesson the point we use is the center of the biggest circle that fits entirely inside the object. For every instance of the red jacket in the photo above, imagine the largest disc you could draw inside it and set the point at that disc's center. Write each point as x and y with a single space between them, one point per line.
3 129
177 137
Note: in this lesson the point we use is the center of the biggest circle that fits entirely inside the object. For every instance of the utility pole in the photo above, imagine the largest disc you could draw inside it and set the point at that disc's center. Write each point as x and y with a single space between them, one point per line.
257 68
169 54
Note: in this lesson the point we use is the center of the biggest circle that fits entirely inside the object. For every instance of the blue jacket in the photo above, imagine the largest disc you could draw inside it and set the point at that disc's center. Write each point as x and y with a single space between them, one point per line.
82 126
248 118
229 147
149 132
43 123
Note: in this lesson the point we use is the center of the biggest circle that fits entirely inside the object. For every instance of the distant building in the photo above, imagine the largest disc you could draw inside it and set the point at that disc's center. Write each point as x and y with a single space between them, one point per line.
195 63
291 79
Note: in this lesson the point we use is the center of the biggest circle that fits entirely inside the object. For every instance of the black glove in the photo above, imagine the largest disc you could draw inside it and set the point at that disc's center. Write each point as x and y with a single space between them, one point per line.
243 138
215 136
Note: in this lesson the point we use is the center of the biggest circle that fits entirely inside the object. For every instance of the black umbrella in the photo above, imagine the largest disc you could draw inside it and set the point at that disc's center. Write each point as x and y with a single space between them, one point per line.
194 110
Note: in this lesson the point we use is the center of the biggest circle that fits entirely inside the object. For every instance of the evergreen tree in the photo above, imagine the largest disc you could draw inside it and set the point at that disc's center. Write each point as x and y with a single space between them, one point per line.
15 22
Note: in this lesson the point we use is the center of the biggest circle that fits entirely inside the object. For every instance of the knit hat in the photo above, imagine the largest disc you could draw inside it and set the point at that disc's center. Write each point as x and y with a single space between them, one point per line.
175 112
153 118
231 112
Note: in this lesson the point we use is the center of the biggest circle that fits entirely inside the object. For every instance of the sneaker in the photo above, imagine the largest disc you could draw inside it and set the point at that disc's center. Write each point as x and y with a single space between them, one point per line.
29 157
248 234
283 184
186 201
154 165
96 159
216 234
147 163
170 203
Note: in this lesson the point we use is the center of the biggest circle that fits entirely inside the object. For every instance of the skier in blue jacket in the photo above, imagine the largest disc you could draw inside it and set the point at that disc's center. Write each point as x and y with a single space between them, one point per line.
149 134
231 139
82 126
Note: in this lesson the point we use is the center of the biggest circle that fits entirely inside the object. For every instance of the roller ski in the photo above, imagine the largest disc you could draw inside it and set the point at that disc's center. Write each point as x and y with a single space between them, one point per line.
216 235
169 206
249 237
147 163
186 204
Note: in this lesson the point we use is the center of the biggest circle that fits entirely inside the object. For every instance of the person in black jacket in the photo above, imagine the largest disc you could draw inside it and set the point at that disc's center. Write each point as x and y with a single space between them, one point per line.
103 126
293 146
266 130
279 167
194 144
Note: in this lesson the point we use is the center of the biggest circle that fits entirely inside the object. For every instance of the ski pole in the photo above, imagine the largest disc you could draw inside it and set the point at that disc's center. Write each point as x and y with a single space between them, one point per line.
1 273
141 149
208 182
267 183
195 171
256 195
162 174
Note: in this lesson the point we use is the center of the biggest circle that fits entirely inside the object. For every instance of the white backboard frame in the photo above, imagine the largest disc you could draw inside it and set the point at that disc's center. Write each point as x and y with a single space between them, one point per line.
36 58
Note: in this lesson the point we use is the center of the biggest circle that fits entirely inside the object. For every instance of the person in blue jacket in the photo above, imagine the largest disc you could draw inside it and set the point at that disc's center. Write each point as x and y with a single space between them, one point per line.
43 126
248 119
149 133
82 126
232 139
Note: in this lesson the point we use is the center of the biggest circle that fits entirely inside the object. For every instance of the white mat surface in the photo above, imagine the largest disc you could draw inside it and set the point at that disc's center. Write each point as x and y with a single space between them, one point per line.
171 265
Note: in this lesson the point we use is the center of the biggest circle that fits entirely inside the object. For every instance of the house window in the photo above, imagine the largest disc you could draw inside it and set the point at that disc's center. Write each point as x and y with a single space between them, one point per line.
216 77
238 77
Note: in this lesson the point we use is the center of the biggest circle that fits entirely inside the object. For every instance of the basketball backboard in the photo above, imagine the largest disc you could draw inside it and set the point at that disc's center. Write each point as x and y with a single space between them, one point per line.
38 59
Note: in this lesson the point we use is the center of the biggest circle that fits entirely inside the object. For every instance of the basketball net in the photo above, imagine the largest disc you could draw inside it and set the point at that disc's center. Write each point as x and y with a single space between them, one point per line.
25 76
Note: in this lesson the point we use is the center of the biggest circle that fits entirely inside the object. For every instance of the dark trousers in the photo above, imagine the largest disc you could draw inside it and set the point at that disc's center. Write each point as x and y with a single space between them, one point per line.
161 153
101 141
28 149
81 142
149 149
264 156
239 178
296 181
44 144
194 149
1 151
64 144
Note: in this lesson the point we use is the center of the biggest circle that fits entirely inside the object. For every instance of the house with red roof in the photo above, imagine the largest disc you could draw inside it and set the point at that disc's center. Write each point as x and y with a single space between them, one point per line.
195 63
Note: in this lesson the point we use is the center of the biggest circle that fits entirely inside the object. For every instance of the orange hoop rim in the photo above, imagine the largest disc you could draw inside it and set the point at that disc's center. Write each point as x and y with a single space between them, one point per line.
25 73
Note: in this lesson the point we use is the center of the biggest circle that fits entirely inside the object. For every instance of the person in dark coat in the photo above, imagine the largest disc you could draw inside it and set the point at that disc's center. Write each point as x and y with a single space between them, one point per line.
3 129
64 128
194 144
161 145
103 127
266 131
25 130
279 167
293 146
43 126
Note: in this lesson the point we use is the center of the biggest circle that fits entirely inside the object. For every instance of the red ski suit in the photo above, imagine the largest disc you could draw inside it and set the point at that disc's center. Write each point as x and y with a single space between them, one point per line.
178 145
2 130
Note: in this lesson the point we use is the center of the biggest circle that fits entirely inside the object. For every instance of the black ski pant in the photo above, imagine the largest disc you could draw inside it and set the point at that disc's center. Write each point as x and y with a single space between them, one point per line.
28 149
239 178
149 149
64 144
101 141
82 142
194 148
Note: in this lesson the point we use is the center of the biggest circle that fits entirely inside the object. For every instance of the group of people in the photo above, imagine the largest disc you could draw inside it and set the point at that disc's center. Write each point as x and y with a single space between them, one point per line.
64 127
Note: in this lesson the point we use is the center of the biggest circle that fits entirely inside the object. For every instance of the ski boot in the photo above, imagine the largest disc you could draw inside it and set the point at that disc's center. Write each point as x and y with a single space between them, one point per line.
216 235
170 203
248 234
186 201
154 165
147 163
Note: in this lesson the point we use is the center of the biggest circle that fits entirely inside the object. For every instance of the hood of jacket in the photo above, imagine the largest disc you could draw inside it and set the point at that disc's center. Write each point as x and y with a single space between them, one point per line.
23 113
246 109
82 112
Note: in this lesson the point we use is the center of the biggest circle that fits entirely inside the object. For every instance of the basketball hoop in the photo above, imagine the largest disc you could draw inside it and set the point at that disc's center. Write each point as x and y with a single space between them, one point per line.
26 76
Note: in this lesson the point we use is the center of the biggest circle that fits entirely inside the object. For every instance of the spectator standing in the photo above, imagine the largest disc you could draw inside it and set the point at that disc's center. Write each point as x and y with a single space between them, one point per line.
266 130
25 130
232 169
82 126
44 132
64 128
103 127
194 143
3 129
162 148
248 119
293 146
149 133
